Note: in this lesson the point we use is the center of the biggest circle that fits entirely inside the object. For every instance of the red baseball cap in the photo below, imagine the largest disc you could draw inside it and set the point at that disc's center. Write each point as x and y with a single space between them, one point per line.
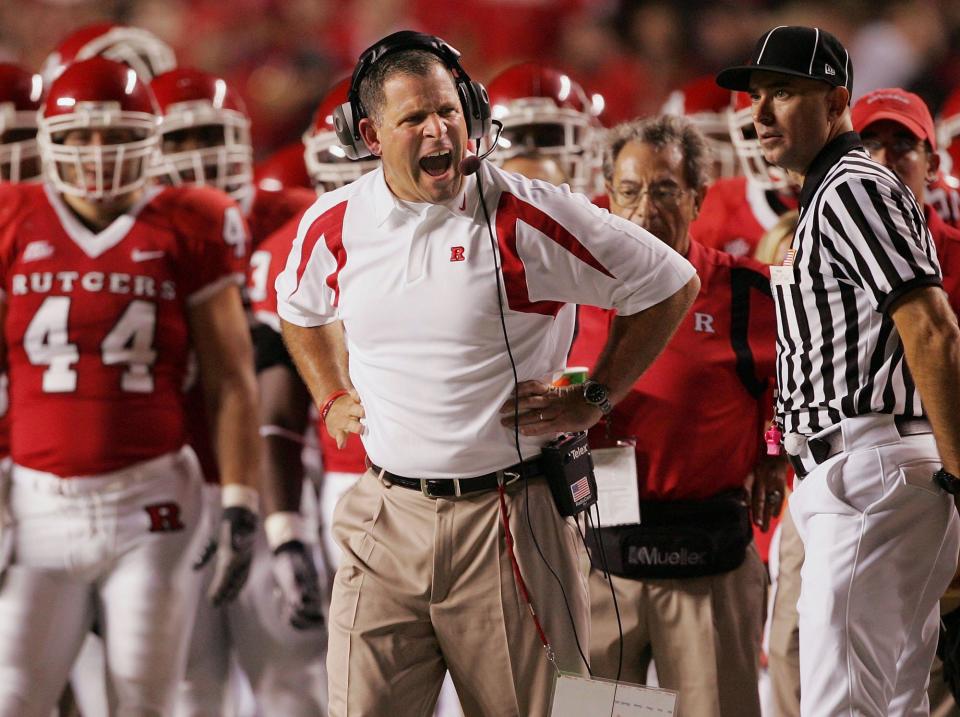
898 105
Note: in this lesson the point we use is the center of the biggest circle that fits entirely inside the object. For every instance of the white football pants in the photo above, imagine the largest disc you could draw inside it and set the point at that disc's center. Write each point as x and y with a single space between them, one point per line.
881 542
119 547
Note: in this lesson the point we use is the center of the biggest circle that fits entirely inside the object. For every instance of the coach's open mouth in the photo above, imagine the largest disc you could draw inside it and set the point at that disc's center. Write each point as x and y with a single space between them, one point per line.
436 164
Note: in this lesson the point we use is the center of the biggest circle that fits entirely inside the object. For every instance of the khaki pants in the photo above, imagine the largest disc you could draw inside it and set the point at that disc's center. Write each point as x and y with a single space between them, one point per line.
425 585
702 633
784 651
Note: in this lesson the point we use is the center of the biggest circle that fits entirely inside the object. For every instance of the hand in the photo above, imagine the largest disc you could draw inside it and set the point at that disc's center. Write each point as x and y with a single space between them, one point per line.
234 550
768 489
546 410
296 575
344 417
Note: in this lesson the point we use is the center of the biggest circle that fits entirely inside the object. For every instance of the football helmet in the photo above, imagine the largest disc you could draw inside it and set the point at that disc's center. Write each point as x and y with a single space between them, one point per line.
133 46
707 106
546 112
204 132
284 168
327 163
20 94
108 97
747 147
948 134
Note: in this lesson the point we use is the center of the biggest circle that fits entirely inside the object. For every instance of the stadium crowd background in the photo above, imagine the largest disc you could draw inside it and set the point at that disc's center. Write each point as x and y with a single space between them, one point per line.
283 54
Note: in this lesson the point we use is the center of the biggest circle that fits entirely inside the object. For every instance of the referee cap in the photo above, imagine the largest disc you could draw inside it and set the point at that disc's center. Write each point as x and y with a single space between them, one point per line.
794 50
900 106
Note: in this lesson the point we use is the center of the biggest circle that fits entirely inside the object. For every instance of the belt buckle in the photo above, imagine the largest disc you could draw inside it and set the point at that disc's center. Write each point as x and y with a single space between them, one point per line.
426 482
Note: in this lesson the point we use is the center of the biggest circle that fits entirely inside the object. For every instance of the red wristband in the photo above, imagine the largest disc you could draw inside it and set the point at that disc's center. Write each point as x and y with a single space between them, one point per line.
328 404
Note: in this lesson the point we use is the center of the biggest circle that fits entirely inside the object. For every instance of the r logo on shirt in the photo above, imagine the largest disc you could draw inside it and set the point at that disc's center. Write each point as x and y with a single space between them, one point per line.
703 323
456 253
164 517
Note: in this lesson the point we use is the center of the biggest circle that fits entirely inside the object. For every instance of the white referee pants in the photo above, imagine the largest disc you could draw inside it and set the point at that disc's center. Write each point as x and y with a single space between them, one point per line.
881 542
120 546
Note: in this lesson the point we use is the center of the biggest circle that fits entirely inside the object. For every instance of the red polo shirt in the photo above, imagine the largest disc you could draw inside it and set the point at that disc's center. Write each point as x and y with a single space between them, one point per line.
697 413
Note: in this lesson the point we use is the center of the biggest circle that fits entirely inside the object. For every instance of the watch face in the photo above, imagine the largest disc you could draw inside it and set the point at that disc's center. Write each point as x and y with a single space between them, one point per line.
595 393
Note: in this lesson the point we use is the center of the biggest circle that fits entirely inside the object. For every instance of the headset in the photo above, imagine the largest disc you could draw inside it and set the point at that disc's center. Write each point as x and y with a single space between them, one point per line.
473 95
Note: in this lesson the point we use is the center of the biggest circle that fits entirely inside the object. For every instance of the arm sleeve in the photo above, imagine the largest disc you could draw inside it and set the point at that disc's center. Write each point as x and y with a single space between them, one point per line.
877 235
557 246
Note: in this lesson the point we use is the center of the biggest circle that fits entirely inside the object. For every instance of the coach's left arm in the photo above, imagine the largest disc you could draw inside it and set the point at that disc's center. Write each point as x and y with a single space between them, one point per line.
931 342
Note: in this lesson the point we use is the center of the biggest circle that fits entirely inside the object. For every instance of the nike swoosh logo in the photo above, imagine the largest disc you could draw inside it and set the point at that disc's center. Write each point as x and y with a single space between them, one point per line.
138 255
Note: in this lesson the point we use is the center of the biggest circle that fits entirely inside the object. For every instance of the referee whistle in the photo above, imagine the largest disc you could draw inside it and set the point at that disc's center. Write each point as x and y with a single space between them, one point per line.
774 440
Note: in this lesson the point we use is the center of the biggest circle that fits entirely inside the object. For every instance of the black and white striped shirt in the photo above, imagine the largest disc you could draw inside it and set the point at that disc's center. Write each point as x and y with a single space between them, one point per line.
860 245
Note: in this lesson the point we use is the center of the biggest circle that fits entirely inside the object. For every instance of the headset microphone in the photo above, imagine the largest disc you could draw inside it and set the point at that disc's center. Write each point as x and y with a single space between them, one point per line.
471 163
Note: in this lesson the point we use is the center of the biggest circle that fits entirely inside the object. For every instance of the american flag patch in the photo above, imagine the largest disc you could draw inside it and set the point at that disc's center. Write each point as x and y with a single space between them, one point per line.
580 489
788 259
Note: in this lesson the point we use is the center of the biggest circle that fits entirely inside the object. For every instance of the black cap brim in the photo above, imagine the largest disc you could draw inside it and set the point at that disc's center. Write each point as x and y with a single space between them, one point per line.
738 78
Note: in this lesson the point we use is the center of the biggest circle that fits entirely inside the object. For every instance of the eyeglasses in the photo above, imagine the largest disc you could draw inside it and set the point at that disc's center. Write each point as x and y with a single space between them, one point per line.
629 196
900 145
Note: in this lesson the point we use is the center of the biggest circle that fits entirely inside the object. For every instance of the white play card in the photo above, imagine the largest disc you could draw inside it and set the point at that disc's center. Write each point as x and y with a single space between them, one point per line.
575 696
616 472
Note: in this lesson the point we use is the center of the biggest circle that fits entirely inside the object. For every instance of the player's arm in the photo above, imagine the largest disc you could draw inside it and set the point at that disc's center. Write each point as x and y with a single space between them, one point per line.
633 344
284 418
221 339
320 354
931 342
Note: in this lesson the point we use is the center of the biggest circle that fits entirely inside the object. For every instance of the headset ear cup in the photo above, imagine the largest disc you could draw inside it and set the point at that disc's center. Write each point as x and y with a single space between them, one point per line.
476 108
348 134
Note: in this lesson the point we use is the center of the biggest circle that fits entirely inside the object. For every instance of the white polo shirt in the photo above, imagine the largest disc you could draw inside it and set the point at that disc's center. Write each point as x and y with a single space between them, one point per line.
415 287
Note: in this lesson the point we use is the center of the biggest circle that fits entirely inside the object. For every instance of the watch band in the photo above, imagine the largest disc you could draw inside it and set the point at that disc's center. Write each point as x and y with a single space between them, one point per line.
947 480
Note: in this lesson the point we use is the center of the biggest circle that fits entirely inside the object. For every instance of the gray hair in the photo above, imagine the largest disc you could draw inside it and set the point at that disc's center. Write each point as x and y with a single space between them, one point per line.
415 62
660 132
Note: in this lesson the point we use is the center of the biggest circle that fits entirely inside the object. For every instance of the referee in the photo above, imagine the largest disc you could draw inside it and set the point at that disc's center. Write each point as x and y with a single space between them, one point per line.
864 333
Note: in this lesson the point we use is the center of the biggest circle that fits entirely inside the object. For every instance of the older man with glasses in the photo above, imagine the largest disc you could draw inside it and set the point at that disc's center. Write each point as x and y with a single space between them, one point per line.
688 580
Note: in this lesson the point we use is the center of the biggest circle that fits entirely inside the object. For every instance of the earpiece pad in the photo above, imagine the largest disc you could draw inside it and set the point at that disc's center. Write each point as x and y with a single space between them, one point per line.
348 135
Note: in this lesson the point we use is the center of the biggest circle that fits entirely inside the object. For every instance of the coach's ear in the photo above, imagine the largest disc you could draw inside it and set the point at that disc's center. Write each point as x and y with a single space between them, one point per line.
368 130
838 99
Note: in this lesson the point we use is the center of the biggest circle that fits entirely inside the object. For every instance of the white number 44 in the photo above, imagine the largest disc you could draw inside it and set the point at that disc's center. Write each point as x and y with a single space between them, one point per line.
130 341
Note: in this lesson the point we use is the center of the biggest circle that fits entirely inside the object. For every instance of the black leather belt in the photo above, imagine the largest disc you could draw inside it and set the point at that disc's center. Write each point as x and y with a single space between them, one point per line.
822 449
453 487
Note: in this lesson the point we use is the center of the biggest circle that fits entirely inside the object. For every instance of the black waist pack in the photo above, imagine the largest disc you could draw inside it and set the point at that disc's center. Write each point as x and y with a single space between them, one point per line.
678 539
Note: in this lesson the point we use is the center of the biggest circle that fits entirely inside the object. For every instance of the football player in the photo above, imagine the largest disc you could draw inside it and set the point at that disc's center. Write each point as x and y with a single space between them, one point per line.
107 284
135 47
707 106
205 140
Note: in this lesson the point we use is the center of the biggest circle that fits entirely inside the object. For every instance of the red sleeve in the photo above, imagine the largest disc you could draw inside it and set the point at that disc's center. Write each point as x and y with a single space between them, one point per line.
266 263
215 241
10 204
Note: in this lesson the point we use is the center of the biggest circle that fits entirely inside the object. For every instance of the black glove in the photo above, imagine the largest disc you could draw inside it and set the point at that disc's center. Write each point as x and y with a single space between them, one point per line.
234 550
296 575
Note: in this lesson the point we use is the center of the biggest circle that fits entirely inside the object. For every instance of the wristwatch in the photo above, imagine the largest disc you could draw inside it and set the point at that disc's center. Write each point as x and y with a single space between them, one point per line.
947 480
596 394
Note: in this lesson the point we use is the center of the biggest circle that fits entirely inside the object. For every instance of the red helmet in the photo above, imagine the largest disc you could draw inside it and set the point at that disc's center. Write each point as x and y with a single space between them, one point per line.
747 147
546 112
707 106
327 163
137 48
948 133
284 168
98 94
20 93
190 99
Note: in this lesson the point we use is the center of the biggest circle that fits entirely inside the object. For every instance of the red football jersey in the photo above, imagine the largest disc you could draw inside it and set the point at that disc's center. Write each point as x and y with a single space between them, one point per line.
266 263
264 213
96 326
736 213
947 241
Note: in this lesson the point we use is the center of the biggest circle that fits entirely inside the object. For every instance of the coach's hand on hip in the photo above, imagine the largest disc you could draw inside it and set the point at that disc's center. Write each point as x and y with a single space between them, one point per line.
545 410
344 417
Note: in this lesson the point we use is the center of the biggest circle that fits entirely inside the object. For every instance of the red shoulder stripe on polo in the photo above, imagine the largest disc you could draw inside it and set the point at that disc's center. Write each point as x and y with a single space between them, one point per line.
510 210
328 225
